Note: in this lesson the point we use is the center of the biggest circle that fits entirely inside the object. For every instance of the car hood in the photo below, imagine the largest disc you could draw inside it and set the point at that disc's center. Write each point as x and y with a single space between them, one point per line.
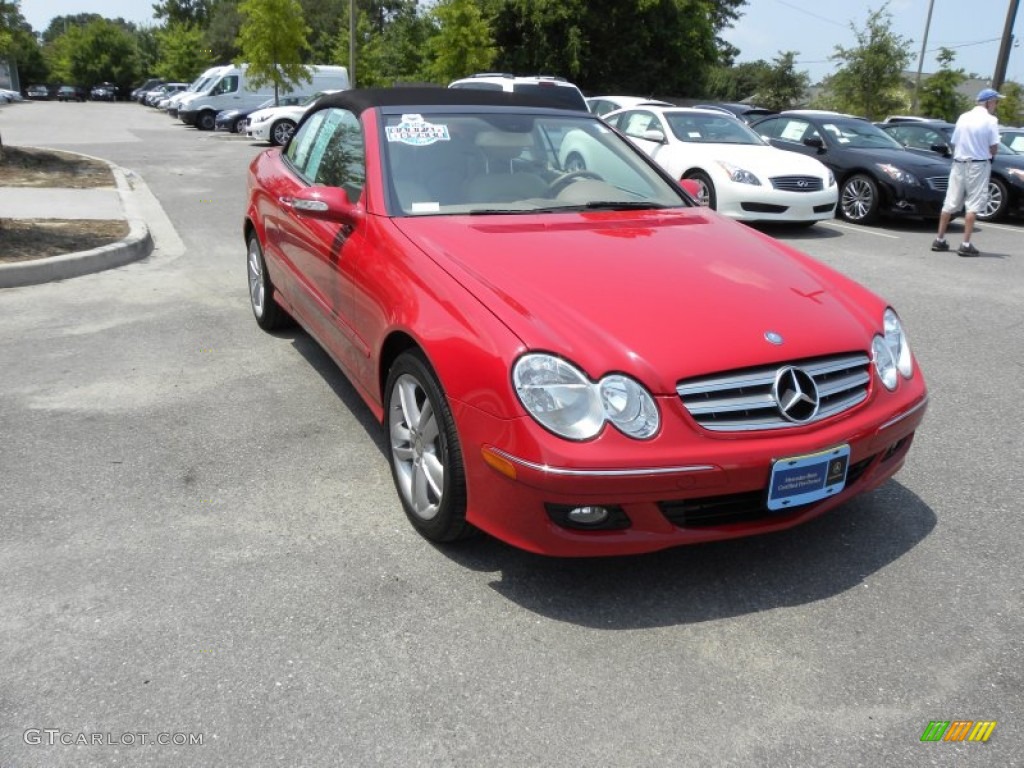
928 164
763 160
662 295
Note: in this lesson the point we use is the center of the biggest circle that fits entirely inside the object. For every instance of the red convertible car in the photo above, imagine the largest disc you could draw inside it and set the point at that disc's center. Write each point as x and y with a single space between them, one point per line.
578 363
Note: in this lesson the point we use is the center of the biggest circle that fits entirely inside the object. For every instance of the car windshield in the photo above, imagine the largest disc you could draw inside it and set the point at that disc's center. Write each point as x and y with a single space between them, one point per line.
859 134
710 129
445 163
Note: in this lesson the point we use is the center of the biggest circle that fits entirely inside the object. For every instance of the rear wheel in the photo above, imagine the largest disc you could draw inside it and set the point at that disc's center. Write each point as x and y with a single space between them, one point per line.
423 446
268 313
998 201
239 126
281 131
858 199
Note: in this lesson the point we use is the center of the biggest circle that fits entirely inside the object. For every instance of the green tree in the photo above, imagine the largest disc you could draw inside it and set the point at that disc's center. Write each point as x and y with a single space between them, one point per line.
394 53
1011 107
939 96
101 51
184 11
183 52
781 86
869 80
61 24
222 32
272 40
462 44
737 82
667 46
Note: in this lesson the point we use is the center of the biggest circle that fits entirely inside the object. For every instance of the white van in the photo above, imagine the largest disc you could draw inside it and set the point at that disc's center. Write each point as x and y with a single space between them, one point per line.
232 90
197 86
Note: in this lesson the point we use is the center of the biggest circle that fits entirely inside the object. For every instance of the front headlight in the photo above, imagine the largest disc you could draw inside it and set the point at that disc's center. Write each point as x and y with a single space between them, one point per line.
896 339
563 400
898 174
885 365
739 175
831 178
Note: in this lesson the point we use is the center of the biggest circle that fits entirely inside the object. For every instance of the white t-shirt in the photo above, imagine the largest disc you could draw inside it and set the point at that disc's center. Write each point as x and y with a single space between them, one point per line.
975 133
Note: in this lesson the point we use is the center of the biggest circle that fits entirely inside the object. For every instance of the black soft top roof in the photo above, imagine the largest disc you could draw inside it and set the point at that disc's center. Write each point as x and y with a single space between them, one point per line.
359 100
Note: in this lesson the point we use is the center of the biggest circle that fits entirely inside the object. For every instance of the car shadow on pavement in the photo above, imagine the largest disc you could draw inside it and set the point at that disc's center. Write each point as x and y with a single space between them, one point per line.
820 231
686 585
322 363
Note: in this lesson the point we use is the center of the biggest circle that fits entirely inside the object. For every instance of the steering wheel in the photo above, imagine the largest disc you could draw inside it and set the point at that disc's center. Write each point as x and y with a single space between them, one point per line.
561 182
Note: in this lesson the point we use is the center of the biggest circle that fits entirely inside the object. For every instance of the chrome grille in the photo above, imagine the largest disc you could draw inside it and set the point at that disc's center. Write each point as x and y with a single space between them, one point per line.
797 183
742 400
938 183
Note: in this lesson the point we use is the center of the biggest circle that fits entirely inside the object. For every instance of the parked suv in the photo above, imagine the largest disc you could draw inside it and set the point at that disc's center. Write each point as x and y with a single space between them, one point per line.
559 91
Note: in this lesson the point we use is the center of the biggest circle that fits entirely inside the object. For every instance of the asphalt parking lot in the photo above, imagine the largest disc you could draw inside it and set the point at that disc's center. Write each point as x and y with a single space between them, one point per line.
201 539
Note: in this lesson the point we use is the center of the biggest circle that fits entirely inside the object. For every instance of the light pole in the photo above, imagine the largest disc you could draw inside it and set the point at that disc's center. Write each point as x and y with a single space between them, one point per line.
1004 47
920 59
352 43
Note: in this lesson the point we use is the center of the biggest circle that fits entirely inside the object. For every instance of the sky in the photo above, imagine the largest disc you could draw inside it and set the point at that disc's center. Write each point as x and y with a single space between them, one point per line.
811 28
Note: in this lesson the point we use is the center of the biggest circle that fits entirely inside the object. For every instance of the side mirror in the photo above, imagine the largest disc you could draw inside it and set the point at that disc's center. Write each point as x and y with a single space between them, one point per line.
653 135
327 203
814 141
942 149
691 186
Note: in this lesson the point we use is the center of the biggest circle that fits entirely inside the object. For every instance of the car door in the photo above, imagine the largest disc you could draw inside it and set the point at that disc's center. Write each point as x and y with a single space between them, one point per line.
327 151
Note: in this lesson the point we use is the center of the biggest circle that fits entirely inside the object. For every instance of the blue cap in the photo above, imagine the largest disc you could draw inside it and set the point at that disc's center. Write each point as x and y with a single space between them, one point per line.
988 94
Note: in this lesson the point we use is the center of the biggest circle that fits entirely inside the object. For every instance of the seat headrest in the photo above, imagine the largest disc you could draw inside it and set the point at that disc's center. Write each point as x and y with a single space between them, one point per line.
504 140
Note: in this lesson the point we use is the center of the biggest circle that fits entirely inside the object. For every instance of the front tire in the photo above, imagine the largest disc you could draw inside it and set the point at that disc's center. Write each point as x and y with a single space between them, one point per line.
705 189
998 201
858 199
424 450
268 313
206 121
281 131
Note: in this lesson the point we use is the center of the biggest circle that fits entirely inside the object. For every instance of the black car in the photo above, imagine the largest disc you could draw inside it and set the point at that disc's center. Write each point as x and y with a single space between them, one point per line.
38 92
233 120
103 92
876 175
70 93
1006 183
748 113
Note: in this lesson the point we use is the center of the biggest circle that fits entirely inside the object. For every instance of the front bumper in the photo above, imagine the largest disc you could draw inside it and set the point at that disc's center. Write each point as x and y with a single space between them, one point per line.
188 116
259 131
685 486
746 202
924 200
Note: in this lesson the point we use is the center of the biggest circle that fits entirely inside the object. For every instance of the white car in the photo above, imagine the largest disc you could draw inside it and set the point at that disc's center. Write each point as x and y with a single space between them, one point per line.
736 171
602 105
277 124
7 96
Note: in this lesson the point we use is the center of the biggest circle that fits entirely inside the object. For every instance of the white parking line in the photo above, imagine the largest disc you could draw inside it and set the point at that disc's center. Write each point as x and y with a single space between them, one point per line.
981 225
861 229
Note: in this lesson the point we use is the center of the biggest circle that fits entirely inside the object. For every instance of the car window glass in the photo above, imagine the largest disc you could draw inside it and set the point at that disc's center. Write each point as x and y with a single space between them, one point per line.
635 123
336 158
227 84
710 129
298 149
796 130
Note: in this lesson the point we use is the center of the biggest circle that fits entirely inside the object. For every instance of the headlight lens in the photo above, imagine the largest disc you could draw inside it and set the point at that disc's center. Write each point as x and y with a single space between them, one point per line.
898 174
896 339
739 175
628 406
562 399
885 364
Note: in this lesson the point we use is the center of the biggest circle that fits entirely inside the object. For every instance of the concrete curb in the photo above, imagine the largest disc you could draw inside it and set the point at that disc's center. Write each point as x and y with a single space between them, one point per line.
137 245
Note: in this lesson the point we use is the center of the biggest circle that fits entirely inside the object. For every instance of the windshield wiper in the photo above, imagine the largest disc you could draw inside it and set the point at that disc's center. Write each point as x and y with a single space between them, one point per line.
615 205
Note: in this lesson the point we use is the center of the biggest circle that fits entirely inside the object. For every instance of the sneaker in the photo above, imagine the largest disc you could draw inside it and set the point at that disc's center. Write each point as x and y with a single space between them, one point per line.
939 245
966 249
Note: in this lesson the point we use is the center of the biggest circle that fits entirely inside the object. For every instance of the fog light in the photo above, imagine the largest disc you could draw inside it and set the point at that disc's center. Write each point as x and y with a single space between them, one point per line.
588 515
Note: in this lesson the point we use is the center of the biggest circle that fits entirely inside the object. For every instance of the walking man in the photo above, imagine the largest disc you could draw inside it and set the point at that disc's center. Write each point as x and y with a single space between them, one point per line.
975 141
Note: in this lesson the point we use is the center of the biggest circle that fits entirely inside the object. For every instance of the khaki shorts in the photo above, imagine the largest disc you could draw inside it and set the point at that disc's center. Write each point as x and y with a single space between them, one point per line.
968 186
